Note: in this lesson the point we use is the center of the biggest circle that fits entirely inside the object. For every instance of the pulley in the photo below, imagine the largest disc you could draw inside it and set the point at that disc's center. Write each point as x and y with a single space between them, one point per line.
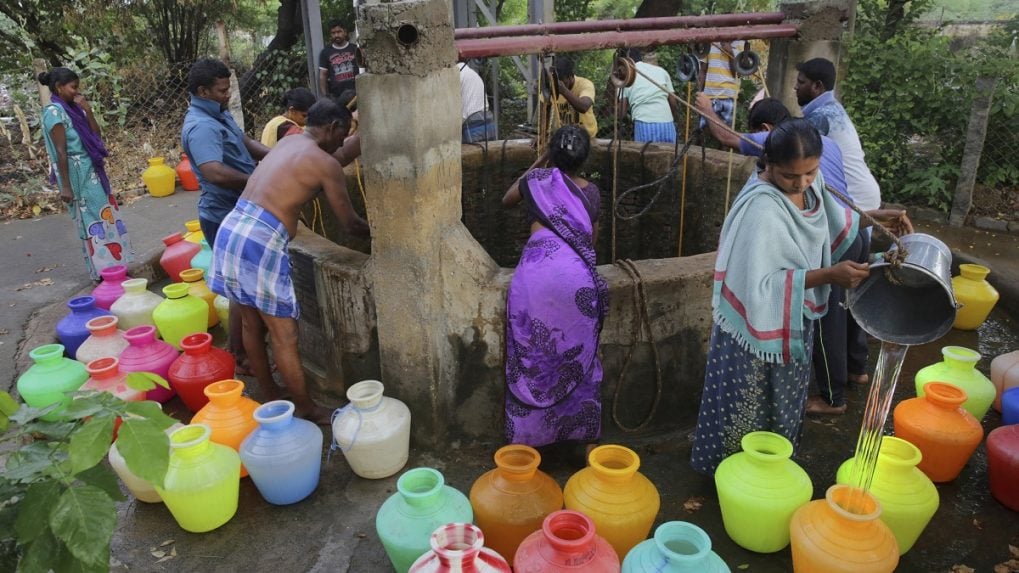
624 72
747 61
688 68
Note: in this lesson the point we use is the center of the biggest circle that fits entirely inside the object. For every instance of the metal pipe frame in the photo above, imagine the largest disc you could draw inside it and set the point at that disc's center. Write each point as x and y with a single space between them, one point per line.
520 45
630 24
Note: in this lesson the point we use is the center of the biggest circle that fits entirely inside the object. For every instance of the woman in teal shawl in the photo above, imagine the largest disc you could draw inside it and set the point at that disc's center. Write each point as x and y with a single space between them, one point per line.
77 162
772 272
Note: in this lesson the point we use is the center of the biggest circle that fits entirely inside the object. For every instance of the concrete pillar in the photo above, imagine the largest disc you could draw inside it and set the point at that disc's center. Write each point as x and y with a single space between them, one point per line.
410 120
822 24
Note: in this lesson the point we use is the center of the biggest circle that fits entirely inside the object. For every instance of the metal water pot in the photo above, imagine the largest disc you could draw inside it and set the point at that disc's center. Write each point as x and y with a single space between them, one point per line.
911 304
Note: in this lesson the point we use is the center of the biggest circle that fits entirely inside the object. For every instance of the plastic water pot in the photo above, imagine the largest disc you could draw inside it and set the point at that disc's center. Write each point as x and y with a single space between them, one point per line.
422 503
202 483
620 501
373 431
71 330
51 380
159 178
135 306
283 455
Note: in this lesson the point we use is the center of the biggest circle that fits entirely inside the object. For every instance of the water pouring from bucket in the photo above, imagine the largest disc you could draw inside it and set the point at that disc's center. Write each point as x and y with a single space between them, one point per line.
907 300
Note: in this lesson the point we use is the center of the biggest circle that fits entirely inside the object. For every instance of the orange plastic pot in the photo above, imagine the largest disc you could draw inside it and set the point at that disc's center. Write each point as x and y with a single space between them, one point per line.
229 414
827 538
188 179
945 433
511 501
620 501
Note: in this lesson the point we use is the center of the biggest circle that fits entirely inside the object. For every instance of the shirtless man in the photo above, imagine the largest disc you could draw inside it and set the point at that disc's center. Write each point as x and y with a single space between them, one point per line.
250 262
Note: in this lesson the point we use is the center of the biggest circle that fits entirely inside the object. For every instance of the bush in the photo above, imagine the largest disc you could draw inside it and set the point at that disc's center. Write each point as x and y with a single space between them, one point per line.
57 508
910 95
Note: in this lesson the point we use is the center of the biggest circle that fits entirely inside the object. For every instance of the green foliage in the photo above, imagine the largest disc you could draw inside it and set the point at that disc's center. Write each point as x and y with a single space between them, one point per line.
910 97
342 10
15 45
145 381
572 10
929 185
57 508
100 82
972 9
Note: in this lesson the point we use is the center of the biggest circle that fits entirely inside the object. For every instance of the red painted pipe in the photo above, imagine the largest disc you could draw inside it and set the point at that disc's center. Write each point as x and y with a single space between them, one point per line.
715 20
520 45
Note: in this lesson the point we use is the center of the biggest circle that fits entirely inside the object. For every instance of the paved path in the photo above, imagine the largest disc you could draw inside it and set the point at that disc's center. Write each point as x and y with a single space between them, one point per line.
42 263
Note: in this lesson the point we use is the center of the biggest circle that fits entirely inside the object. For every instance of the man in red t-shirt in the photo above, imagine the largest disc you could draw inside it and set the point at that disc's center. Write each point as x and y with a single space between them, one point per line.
338 62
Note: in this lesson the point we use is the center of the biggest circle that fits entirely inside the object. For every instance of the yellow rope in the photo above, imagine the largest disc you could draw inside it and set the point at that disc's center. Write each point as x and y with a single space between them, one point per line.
360 185
547 123
544 117
764 83
682 193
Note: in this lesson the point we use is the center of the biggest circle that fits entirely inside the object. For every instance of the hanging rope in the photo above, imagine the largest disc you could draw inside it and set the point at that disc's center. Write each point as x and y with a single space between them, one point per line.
615 165
660 182
728 177
360 185
764 84
642 322
682 192
549 113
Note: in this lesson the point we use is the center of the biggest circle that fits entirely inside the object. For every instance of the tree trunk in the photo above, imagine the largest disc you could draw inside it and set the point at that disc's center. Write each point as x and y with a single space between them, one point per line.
288 29
177 28
895 14
658 8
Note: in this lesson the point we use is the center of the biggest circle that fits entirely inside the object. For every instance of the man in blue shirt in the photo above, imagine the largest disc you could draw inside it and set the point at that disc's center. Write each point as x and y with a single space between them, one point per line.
764 116
814 85
223 154
224 157
837 338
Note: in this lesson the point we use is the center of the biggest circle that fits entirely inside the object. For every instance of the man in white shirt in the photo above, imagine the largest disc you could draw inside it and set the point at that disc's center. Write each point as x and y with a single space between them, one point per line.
814 86
478 121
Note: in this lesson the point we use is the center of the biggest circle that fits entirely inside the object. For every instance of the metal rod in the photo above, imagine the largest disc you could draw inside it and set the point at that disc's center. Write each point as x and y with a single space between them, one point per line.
717 20
519 45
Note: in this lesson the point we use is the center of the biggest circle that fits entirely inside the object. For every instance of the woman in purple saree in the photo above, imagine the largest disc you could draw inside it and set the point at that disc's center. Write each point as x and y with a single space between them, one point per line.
556 303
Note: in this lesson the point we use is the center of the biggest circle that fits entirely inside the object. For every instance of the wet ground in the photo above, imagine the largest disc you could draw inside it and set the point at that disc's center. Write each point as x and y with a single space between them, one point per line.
333 530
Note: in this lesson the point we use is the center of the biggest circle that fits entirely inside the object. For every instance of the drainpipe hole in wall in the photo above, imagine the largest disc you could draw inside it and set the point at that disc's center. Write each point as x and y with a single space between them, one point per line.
407 35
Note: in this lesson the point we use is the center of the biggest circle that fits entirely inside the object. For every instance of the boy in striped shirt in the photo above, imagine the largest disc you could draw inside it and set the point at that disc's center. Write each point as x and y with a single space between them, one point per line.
720 81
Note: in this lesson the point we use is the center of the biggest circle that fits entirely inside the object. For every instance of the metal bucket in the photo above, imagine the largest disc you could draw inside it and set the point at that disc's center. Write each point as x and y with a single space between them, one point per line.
912 304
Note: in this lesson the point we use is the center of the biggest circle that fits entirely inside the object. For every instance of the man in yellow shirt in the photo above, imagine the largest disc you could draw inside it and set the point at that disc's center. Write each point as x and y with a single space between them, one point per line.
575 104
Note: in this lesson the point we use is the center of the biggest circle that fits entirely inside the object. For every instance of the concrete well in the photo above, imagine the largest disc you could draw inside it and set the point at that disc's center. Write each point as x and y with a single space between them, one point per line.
338 287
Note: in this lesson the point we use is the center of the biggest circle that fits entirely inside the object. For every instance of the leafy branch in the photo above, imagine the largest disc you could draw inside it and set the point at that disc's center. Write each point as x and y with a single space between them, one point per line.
57 509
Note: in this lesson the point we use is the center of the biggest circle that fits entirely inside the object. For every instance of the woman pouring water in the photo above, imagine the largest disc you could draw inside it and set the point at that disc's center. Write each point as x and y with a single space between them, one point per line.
772 275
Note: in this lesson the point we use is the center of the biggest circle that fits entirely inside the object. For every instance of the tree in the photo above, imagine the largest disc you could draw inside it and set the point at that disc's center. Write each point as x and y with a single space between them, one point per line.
658 8
289 28
180 28
39 25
